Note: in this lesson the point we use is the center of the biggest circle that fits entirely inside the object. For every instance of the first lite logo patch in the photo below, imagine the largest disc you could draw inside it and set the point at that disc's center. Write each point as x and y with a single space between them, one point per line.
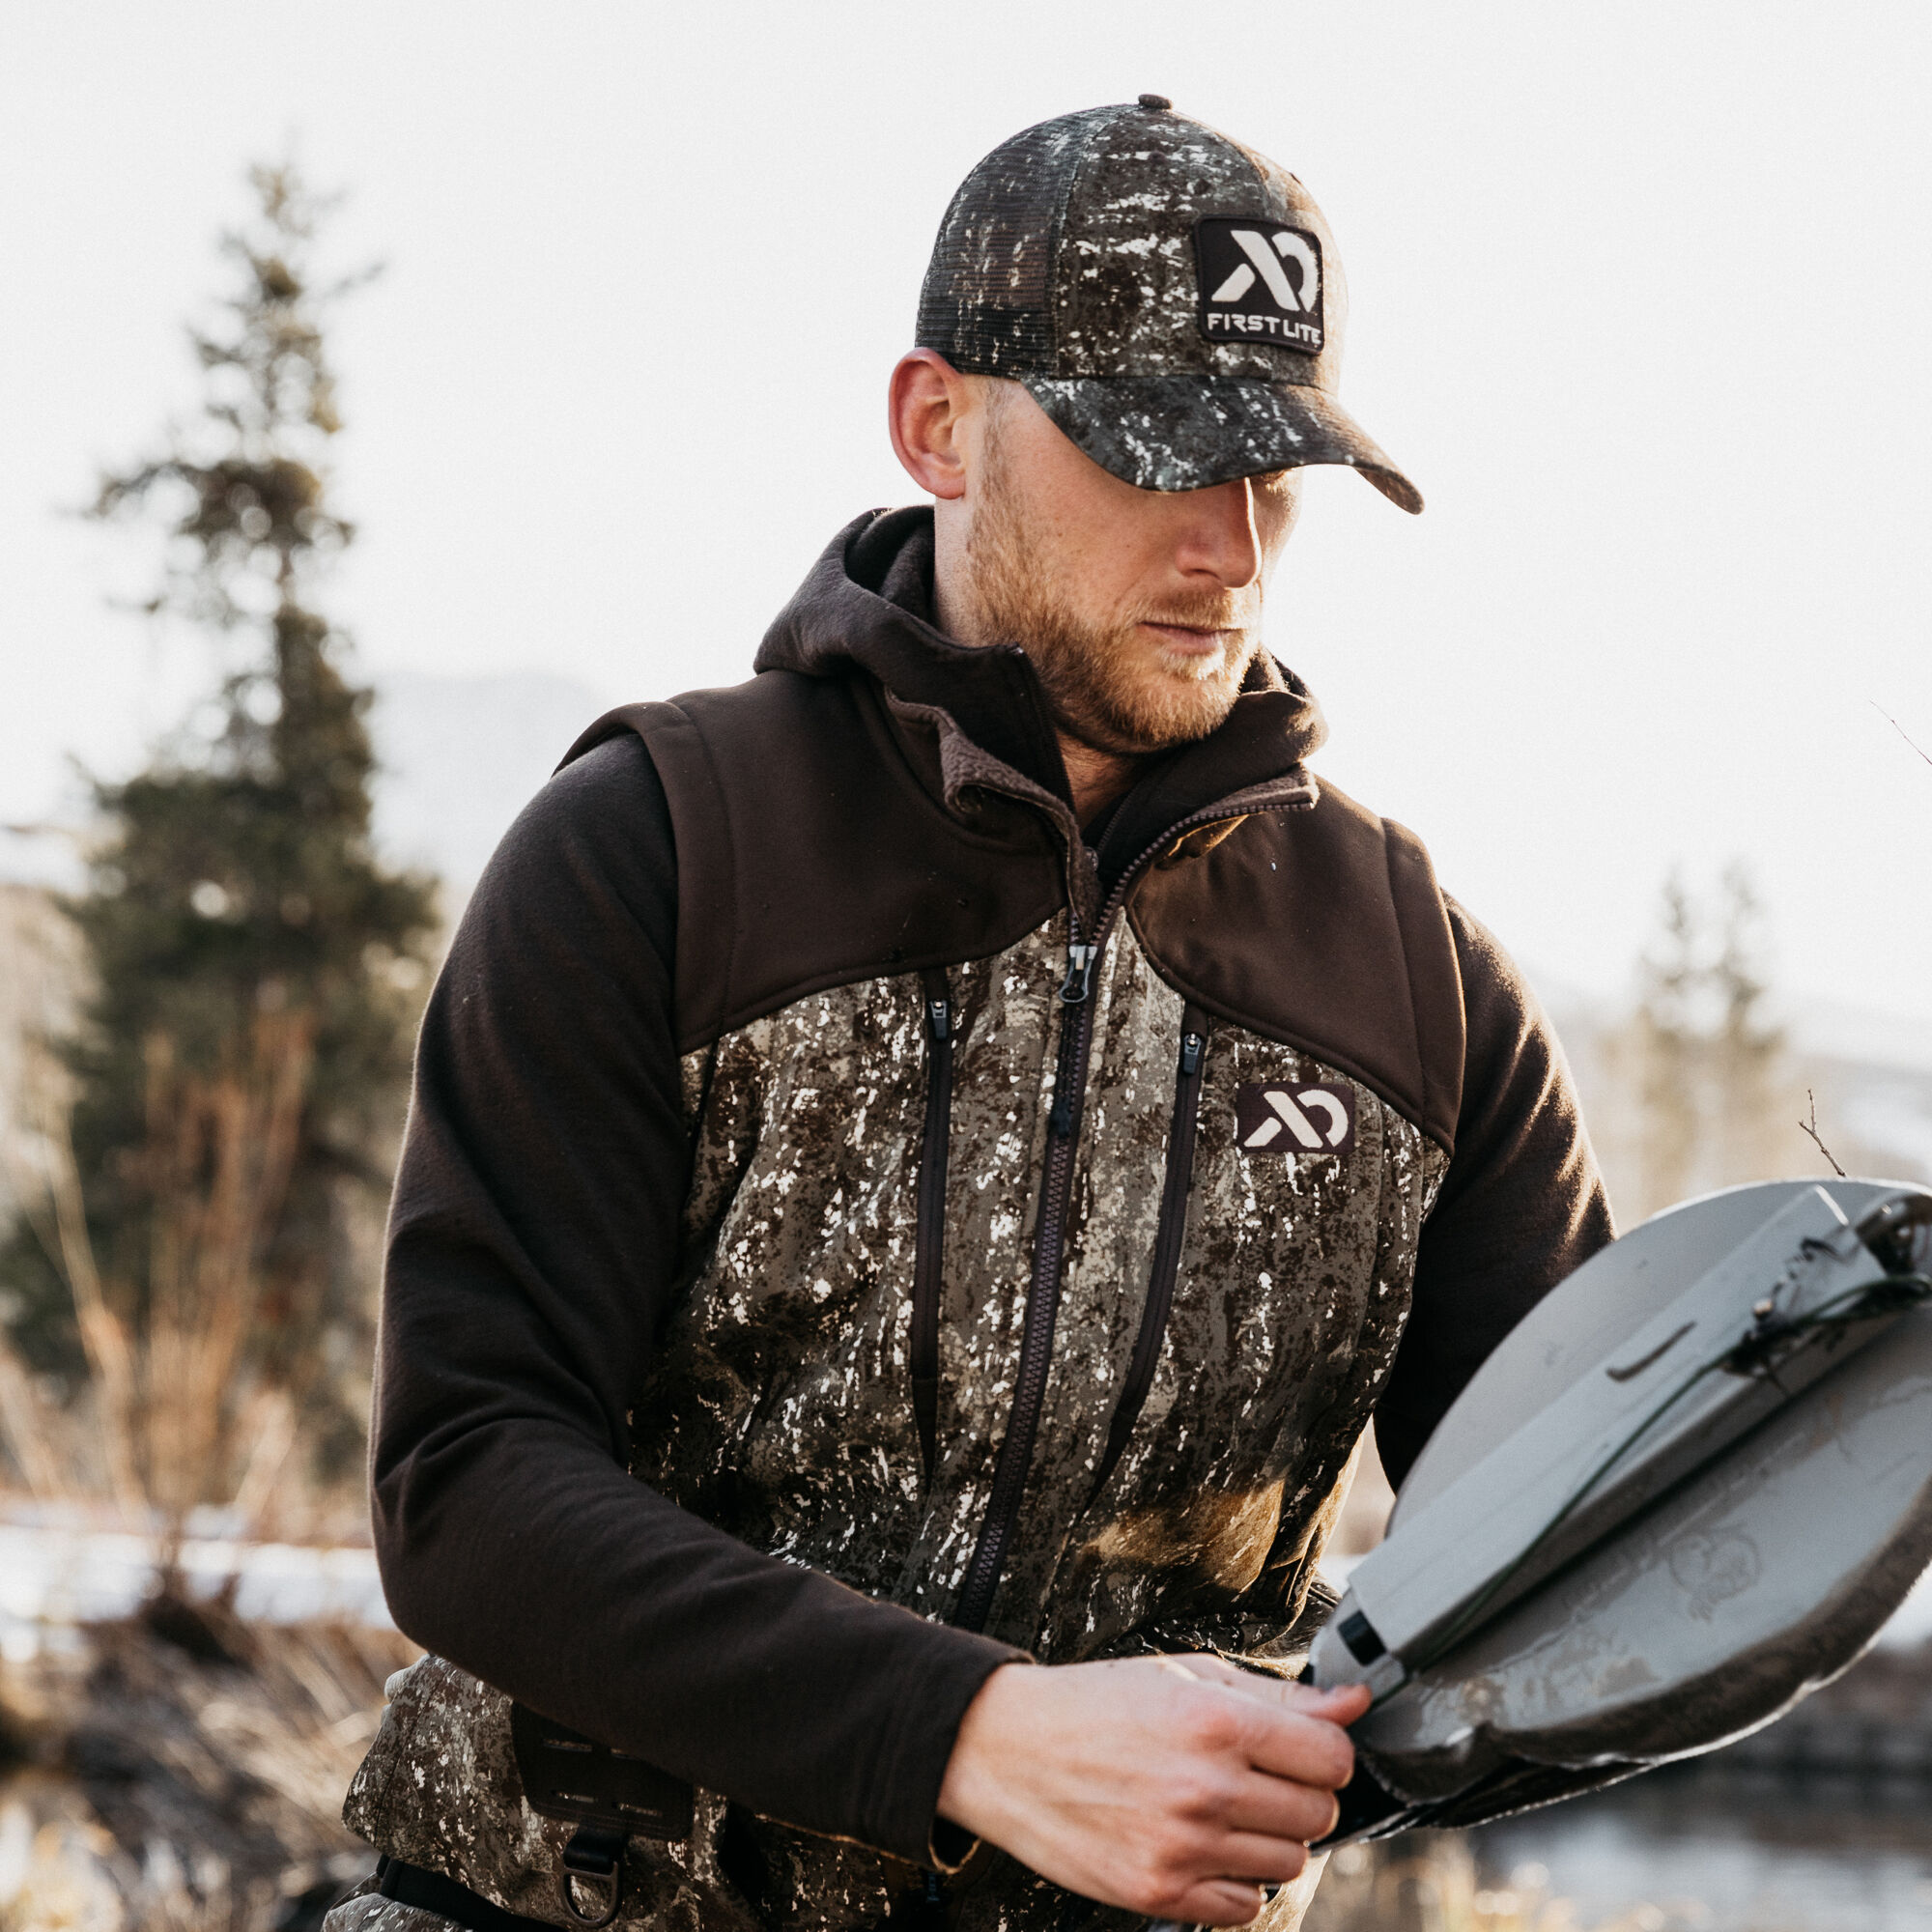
1259 282
1305 1117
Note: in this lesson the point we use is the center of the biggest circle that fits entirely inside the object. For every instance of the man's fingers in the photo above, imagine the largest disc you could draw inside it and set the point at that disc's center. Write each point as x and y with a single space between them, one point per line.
1309 1750
1172 1787
1340 1705
1291 1731
1279 1807
1220 1902
1267 1861
1208 1669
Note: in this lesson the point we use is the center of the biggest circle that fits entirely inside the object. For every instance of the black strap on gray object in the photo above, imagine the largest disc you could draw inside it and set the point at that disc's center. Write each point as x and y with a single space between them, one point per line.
929 1238
609 1795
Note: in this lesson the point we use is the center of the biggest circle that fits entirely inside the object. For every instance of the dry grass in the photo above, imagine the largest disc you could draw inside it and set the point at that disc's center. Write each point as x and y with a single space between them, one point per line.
185 1772
170 1419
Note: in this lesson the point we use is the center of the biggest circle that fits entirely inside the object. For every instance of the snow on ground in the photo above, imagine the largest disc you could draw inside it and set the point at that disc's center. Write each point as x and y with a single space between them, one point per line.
54 1575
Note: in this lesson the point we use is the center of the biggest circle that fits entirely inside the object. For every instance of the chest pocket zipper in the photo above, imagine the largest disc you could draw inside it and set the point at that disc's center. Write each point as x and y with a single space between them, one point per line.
1169 1232
929 1236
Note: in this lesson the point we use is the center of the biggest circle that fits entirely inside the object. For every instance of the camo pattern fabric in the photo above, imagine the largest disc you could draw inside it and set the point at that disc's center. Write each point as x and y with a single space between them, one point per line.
367 1910
780 1405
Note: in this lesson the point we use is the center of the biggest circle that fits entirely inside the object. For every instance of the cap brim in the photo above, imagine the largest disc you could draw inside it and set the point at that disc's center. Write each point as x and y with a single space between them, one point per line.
1188 432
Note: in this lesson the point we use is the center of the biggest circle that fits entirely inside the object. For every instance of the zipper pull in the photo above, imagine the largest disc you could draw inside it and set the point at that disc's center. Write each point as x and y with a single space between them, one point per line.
1191 1044
939 1018
1079 982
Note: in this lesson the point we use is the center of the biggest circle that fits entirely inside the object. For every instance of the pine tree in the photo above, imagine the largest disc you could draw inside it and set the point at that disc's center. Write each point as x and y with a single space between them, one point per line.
1706 1063
256 970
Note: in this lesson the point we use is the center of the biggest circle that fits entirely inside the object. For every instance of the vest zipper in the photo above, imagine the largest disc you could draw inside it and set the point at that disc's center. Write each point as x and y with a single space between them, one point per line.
1042 1304
1169 1234
1015 1461
929 1238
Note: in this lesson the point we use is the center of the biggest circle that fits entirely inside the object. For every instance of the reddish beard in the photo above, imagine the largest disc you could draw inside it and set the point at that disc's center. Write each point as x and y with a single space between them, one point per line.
1108 682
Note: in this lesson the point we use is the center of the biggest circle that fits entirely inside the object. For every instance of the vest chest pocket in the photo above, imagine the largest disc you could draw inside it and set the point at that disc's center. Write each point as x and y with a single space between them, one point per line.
1176 1183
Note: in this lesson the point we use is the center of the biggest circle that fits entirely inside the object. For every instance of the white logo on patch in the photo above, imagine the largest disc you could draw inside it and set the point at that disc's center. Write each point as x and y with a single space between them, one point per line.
1305 1116
1288 1114
1266 264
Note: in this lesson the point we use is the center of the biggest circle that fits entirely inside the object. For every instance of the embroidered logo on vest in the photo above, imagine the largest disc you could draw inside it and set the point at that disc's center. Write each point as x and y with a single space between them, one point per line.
1317 1117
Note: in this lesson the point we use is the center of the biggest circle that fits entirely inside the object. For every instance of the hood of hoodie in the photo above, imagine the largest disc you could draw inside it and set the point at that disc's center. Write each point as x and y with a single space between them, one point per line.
866 606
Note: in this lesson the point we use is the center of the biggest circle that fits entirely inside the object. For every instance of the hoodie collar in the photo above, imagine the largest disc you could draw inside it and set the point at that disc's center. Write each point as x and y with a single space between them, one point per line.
866 606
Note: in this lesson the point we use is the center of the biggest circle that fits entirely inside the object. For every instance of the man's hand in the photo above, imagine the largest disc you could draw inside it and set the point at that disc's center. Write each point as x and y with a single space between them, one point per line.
1176 1786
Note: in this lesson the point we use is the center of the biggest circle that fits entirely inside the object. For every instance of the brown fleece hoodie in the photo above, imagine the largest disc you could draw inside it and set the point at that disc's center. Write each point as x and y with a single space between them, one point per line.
850 1233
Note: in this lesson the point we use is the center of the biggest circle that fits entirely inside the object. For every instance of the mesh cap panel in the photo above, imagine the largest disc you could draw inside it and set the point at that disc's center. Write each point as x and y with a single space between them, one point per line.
986 304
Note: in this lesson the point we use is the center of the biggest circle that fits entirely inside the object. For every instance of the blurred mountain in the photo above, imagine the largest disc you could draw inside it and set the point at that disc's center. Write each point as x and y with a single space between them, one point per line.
461 756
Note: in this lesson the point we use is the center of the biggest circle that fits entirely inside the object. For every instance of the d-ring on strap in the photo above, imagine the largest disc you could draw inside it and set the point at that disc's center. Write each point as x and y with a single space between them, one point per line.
592 1861
606 1795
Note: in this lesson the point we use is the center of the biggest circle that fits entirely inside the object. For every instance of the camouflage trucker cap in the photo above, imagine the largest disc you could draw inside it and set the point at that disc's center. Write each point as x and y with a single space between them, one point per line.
1172 299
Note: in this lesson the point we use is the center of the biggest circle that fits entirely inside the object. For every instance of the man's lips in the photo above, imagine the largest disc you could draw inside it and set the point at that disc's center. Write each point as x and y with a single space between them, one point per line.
1190 639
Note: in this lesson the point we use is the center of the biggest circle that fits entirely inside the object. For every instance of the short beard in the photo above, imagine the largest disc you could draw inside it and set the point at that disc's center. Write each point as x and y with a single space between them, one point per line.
1105 682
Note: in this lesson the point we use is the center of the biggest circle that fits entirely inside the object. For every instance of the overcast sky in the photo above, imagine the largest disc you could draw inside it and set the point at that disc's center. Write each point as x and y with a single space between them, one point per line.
1641 300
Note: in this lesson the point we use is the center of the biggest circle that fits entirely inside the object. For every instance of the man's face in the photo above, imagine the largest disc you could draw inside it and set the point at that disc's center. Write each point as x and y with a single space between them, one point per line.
1141 609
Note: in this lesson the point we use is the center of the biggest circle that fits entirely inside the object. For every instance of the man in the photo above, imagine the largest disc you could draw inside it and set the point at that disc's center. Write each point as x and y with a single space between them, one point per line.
924 1163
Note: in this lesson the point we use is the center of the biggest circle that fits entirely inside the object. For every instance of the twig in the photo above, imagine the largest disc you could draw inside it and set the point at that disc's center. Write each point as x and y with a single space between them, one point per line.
103 1339
24 1422
1812 1129
1901 730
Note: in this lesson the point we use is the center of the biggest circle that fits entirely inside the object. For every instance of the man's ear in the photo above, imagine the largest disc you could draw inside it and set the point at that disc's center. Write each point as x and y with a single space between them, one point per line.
928 407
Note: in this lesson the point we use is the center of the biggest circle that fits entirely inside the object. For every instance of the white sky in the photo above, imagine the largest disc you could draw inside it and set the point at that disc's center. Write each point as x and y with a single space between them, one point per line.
1641 300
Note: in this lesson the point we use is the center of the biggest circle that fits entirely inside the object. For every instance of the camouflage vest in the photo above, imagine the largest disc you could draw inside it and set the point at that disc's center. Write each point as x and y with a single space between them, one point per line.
1047 1249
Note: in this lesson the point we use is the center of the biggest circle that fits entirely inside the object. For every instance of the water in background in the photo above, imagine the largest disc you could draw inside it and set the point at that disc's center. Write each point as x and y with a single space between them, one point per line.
1706 1853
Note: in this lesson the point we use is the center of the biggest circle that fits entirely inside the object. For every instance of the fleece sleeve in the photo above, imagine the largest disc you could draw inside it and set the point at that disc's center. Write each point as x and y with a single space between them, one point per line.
532 1251
1521 1205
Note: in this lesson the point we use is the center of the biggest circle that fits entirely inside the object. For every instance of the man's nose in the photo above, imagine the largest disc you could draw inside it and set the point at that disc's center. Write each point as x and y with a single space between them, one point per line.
1219 538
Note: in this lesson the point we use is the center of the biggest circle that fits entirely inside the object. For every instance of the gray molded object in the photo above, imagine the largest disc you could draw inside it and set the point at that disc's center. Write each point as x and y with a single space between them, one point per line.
1586 1315
1761 1574
1623 1430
